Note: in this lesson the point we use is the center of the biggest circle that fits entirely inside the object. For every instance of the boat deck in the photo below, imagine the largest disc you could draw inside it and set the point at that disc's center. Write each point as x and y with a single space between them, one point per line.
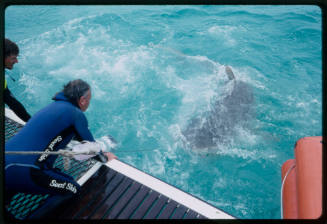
112 195
114 190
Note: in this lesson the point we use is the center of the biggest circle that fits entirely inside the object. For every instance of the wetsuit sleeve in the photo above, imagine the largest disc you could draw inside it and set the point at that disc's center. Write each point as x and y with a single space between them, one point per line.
15 105
82 129
83 132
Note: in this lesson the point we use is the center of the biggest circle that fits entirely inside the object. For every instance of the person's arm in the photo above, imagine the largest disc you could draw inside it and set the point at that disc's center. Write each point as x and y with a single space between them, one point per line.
82 128
15 105
83 133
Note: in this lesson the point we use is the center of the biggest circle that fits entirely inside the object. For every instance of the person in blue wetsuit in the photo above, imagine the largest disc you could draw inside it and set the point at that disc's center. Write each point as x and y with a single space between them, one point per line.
50 129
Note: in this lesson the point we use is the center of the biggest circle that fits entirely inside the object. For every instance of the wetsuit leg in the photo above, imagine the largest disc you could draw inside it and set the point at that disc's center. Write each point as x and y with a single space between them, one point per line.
15 105
23 178
20 178
55 182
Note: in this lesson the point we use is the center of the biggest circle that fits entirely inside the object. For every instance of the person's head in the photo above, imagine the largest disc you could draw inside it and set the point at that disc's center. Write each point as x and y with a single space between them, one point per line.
79 93
11 53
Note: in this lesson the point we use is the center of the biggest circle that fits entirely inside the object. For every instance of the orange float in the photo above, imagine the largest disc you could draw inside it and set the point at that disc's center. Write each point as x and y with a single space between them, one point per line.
302 181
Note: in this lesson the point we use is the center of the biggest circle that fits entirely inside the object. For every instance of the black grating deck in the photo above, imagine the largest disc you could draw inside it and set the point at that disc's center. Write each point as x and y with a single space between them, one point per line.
111 195
21 205
11 128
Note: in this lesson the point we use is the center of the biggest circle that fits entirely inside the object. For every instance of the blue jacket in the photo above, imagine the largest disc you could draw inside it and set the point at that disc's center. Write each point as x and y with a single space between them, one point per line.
50 129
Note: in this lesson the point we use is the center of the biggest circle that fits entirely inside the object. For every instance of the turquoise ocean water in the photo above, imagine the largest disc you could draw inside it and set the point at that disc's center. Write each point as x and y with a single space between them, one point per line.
153 68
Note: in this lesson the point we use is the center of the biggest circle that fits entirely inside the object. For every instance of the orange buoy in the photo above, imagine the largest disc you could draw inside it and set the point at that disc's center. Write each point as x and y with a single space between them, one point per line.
302 190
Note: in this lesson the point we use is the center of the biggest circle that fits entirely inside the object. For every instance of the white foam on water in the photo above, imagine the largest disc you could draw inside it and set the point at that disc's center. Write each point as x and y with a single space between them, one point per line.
199 90
157 167
253 154
107 143
225 32
33 85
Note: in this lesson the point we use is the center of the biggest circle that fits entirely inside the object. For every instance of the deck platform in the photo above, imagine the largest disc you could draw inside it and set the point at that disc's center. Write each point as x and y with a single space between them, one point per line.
112 195
114 190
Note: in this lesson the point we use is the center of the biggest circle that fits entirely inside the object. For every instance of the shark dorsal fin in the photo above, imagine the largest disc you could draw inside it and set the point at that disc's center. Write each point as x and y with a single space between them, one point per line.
229 73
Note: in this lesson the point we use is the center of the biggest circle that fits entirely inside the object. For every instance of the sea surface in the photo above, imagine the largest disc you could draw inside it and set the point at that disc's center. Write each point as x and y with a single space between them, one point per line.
154 68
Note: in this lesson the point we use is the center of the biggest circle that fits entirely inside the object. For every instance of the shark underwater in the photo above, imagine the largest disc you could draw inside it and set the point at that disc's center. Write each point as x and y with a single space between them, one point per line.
217 125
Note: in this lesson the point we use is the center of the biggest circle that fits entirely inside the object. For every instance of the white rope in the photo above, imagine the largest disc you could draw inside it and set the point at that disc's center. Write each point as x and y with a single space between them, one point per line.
142 150
67 155
62 152
282 189
85 148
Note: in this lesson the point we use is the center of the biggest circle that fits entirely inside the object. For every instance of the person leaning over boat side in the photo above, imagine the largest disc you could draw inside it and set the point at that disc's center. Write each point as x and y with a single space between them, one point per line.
50 129
10 58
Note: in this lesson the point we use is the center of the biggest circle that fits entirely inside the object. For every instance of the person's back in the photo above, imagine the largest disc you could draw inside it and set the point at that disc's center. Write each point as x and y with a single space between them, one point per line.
57 119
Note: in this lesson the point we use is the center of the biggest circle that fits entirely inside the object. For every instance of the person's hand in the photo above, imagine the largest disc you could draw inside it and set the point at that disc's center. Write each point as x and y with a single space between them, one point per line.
110 156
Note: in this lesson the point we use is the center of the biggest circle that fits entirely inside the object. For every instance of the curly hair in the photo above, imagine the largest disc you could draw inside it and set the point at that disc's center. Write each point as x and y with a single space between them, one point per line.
75 89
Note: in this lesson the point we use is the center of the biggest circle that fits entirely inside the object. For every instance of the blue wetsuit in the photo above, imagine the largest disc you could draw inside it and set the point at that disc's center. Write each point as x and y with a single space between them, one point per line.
50 129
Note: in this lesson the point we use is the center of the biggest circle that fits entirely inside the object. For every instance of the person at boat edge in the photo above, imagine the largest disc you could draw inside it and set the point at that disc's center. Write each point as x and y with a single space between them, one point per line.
49 130
10 58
